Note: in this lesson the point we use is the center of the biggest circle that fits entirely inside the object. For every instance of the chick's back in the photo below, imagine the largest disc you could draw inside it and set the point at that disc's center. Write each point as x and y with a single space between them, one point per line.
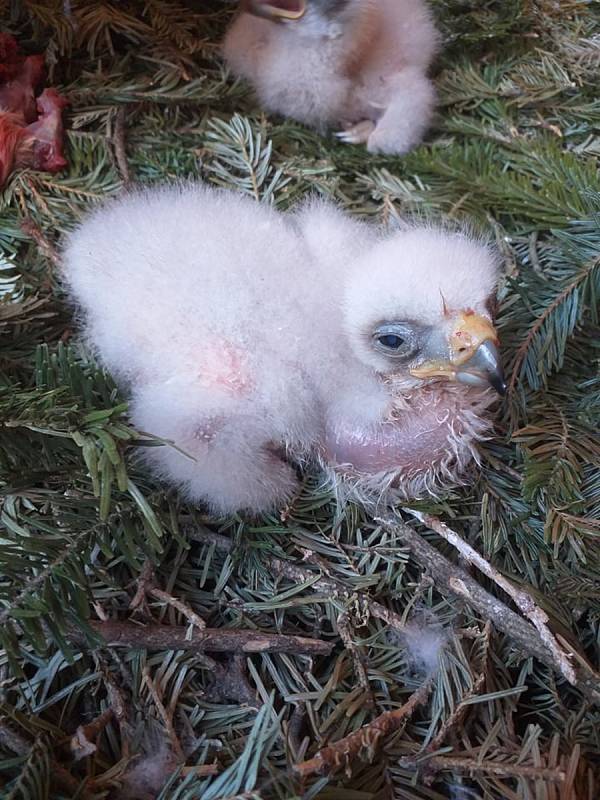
168 278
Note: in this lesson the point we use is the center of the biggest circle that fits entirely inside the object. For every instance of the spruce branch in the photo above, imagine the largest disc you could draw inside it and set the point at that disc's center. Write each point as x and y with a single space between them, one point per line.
147 585
572 298
297 574
474 766
455 720
48 249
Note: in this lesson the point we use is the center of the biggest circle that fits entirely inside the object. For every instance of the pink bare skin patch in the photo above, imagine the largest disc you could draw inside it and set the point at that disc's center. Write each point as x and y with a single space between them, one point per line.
223 365
428 428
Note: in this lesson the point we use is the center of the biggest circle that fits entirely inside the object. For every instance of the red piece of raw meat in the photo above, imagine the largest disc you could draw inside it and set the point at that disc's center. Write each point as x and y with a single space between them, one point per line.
44 138
31 129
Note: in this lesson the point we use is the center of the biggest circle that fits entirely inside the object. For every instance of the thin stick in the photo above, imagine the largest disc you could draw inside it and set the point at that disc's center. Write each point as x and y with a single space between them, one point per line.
216 640
364 741
522 600
147 585
143 581
166 718
201 770
33 230
183 608
473 766
358 659
118 141
118 704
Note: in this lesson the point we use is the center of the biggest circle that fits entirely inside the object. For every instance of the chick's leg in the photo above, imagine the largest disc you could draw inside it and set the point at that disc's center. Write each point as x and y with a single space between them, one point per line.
407 116
216 453
238 473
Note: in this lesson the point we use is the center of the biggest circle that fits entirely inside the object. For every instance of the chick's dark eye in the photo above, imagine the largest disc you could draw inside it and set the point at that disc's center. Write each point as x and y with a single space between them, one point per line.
391 341
396 340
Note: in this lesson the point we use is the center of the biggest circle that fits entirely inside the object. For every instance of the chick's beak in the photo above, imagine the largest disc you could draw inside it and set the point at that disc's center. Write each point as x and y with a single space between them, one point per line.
467 352
275 9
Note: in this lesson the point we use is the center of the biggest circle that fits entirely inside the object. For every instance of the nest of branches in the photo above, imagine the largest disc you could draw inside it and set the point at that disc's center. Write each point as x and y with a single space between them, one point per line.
445 650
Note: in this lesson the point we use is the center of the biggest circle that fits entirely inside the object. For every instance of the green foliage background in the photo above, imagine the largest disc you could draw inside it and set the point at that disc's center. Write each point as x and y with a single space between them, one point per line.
515 148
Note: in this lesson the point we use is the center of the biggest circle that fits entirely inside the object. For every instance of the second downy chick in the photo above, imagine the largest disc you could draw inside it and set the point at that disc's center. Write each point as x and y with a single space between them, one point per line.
356 64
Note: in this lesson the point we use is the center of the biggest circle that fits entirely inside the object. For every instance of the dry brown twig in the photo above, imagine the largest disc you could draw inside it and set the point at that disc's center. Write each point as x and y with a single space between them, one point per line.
118 142
522 600
552 768
147 585
32 229
117 633
165 716
183 608
456 581
200 770
118 704
358 659
364 741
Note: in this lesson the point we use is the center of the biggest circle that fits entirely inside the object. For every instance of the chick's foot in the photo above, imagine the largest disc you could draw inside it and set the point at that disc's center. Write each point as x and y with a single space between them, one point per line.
357 134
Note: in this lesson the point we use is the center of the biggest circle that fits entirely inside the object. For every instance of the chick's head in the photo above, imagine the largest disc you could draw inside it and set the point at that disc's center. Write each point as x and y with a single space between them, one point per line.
417 315
417 310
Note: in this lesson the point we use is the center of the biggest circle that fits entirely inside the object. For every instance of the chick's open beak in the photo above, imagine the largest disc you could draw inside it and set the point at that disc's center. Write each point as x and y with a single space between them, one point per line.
467 353
275 9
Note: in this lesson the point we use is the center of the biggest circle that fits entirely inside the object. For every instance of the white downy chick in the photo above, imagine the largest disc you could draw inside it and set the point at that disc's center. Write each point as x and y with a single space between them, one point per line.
356 64
253 340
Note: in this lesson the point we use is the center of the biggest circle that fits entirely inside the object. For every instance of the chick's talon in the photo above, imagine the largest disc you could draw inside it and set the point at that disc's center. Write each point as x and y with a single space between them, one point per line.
357 134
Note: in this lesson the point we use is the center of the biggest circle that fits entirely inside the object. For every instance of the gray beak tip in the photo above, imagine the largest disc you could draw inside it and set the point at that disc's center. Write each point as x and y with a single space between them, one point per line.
498 383
485 369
